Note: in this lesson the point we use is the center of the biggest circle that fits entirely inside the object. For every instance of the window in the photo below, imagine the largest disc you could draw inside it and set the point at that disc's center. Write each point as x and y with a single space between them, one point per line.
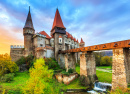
41 45
60 40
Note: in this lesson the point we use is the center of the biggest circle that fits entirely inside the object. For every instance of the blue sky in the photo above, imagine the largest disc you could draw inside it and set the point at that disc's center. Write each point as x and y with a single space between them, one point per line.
96 21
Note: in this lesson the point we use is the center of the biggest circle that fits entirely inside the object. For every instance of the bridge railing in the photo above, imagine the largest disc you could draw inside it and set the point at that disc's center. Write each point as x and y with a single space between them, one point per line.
107 46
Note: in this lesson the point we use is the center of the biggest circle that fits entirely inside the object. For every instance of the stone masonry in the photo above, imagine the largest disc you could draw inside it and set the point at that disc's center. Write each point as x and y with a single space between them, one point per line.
83 68
88 67
121 68
70 61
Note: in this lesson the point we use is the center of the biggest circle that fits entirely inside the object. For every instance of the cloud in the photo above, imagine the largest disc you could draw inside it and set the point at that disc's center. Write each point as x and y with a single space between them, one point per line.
96 21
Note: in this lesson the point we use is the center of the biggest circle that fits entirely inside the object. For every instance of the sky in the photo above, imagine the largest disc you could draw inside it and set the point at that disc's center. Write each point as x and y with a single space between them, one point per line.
96 21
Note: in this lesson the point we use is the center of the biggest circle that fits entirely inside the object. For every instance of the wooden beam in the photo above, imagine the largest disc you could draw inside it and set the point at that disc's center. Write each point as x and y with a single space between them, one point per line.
107 46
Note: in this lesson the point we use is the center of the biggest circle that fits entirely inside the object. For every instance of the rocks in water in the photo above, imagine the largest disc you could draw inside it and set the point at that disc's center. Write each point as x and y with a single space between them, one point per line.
89 80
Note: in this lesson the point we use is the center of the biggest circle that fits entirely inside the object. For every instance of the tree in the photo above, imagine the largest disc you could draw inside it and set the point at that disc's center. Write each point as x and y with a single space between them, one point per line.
40 79
6 65
106 61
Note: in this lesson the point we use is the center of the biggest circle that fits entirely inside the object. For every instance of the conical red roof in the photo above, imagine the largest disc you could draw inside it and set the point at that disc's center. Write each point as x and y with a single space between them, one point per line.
81 41
67 33
77 41
69 36
57 20
45 34
74 39
29 23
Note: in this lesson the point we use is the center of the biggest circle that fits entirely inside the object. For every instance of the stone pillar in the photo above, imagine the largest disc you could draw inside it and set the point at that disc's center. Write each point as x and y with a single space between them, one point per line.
83 68
71 60
61 60
121 68
66 62
91 65
88 68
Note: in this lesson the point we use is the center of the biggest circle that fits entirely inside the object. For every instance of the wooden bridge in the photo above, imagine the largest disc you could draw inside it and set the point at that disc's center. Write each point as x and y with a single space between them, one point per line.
120 65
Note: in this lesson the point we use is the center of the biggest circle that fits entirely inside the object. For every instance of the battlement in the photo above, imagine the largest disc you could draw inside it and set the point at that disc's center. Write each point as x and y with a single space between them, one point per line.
16 46
40 35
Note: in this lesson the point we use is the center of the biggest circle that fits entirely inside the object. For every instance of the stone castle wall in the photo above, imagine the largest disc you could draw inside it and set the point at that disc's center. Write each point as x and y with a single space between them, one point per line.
16 51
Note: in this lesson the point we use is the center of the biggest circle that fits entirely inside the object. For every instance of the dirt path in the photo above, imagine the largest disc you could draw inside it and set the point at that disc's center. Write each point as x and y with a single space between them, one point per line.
104 70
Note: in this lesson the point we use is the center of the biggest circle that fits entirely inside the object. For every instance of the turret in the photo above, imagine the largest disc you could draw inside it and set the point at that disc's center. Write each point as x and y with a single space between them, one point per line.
82 43
58 31
28 32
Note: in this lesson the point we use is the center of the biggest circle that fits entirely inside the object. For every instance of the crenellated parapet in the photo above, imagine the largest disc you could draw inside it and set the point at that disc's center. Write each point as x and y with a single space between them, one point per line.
16 46
39 35
16 52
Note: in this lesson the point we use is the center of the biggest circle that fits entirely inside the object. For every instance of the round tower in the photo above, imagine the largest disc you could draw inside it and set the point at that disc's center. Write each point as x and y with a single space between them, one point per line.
28 32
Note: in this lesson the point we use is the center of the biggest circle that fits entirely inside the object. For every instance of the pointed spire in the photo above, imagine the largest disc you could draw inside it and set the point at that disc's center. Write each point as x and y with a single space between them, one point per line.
81 41
69 36
77 41
57 20
29 9
29 23
74 39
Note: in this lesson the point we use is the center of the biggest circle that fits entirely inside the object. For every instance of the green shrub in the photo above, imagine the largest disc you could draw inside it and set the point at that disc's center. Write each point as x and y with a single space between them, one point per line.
70 70
21 61
51 63
40 81
7 77
29 60
7 65
65 73
14 92
106 61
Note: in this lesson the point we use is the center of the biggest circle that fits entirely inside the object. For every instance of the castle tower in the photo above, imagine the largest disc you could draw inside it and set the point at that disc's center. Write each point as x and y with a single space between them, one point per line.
28 32
82 43
58 31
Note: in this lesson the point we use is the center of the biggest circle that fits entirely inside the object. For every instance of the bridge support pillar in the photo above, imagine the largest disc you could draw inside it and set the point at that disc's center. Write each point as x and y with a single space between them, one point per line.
121 68
88 67
61 60
71 61
66 62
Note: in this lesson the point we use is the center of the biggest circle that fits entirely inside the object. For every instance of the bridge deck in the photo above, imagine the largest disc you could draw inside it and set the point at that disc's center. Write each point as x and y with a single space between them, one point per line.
107 46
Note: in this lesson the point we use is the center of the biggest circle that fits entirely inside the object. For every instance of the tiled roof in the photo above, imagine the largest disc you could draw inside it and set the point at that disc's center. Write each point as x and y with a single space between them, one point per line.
57 20
52 36
44 33
81 41
29 23
77 41
74 39
69 36
60 36
67 33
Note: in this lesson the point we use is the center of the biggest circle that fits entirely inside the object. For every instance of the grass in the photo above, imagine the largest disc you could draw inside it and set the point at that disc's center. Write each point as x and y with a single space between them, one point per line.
74 85
18 82
77 69
104 67
102 76
21 78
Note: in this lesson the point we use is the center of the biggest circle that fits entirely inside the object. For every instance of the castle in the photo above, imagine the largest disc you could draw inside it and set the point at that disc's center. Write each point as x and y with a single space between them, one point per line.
41 45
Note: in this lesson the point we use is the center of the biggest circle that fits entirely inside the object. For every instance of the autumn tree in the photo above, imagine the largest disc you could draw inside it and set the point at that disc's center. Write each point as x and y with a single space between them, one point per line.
7 65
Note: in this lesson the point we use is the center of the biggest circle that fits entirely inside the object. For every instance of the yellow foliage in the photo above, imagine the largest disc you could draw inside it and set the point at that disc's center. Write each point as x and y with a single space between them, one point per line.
39 75
6 64
3 91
